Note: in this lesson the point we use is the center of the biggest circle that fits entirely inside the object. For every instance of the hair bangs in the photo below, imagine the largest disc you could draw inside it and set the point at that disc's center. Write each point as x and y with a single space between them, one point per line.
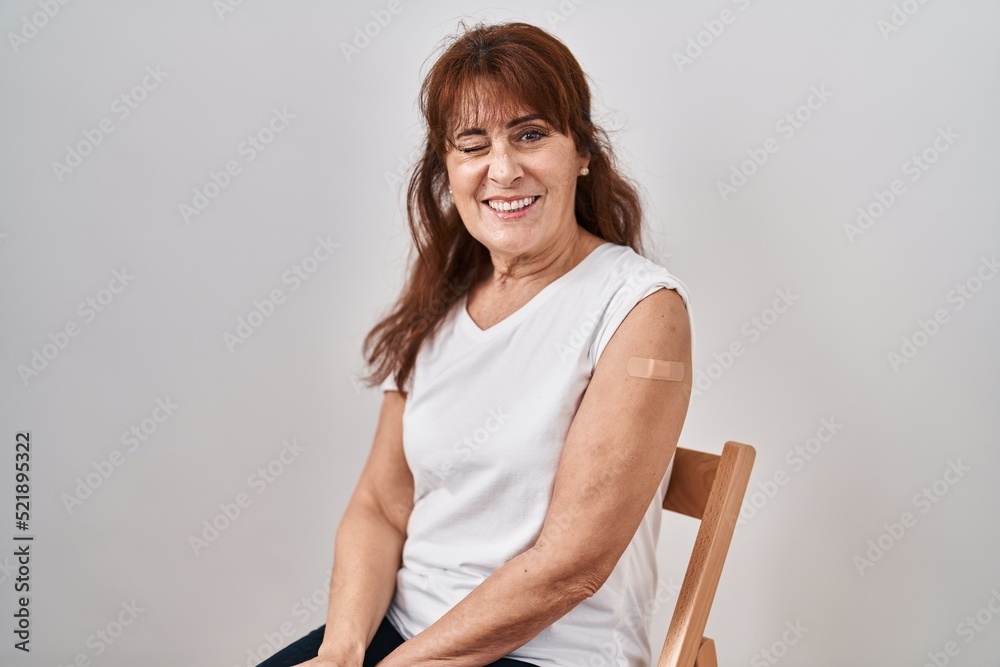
478 97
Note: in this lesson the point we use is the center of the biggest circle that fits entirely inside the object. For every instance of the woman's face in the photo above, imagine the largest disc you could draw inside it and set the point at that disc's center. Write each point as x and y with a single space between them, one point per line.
494 171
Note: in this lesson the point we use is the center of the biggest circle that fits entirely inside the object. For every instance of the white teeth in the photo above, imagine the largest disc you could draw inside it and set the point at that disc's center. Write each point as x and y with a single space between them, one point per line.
517 205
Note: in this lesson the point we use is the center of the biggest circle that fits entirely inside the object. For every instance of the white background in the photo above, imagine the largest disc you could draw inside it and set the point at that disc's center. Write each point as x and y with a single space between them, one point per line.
334 171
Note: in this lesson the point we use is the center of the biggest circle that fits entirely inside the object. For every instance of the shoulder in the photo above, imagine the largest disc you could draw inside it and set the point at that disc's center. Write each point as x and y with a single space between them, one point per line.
657 324
637 289
623 269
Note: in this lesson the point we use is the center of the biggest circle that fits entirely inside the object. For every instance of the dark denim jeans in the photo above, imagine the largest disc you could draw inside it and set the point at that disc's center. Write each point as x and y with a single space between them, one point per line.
384 642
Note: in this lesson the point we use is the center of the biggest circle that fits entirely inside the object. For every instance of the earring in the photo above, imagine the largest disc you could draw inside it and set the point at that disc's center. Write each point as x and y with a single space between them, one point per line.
584 171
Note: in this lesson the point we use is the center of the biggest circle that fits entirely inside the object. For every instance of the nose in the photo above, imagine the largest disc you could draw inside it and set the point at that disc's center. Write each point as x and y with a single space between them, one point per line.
505 166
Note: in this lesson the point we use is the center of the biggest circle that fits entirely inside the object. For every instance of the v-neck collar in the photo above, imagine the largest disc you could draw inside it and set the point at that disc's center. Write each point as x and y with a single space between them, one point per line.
469 325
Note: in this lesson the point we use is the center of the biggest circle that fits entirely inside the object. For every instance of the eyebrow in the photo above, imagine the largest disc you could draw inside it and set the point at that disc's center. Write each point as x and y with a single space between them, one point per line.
513 123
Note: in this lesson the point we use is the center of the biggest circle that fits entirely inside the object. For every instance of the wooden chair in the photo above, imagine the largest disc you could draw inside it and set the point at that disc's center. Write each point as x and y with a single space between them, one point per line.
710 488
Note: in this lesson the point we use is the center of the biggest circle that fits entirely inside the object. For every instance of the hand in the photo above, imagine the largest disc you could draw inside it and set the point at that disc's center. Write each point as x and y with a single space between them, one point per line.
330 658
328 661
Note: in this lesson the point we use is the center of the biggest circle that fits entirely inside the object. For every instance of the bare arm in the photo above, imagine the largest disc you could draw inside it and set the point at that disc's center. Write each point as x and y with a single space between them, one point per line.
616 452
369 541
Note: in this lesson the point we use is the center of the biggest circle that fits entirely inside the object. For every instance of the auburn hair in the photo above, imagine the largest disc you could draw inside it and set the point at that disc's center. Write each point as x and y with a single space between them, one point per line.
496 71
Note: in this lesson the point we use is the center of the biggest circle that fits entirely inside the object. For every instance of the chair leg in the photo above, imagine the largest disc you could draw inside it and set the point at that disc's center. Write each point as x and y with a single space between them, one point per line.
706 654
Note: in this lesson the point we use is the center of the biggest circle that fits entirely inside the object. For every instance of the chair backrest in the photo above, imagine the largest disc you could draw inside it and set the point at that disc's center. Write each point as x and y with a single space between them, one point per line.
710 488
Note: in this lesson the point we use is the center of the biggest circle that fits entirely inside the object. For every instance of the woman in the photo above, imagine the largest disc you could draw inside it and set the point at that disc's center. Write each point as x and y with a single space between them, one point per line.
509 510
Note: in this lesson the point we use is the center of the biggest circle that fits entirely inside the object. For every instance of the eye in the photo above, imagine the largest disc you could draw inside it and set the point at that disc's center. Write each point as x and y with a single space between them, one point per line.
472 149
539 134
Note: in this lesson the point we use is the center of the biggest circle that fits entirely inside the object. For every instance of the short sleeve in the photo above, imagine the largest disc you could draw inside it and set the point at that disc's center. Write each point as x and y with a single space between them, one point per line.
636 288
389 384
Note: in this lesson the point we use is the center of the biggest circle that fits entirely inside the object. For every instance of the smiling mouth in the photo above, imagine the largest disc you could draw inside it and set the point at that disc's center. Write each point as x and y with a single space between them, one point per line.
511 206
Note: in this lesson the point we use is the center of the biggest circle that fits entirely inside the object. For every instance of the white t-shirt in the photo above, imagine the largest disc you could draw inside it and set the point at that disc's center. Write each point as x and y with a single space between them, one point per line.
486 417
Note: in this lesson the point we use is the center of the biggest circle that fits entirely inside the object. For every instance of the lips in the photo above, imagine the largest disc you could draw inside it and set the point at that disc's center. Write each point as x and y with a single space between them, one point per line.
511 213
511 204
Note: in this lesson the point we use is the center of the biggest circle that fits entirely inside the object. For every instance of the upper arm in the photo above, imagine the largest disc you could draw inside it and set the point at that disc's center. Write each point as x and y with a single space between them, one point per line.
386 482
619 444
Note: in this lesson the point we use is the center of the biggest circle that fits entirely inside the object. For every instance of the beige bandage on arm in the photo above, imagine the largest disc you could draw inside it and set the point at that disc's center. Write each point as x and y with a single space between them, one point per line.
655 369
